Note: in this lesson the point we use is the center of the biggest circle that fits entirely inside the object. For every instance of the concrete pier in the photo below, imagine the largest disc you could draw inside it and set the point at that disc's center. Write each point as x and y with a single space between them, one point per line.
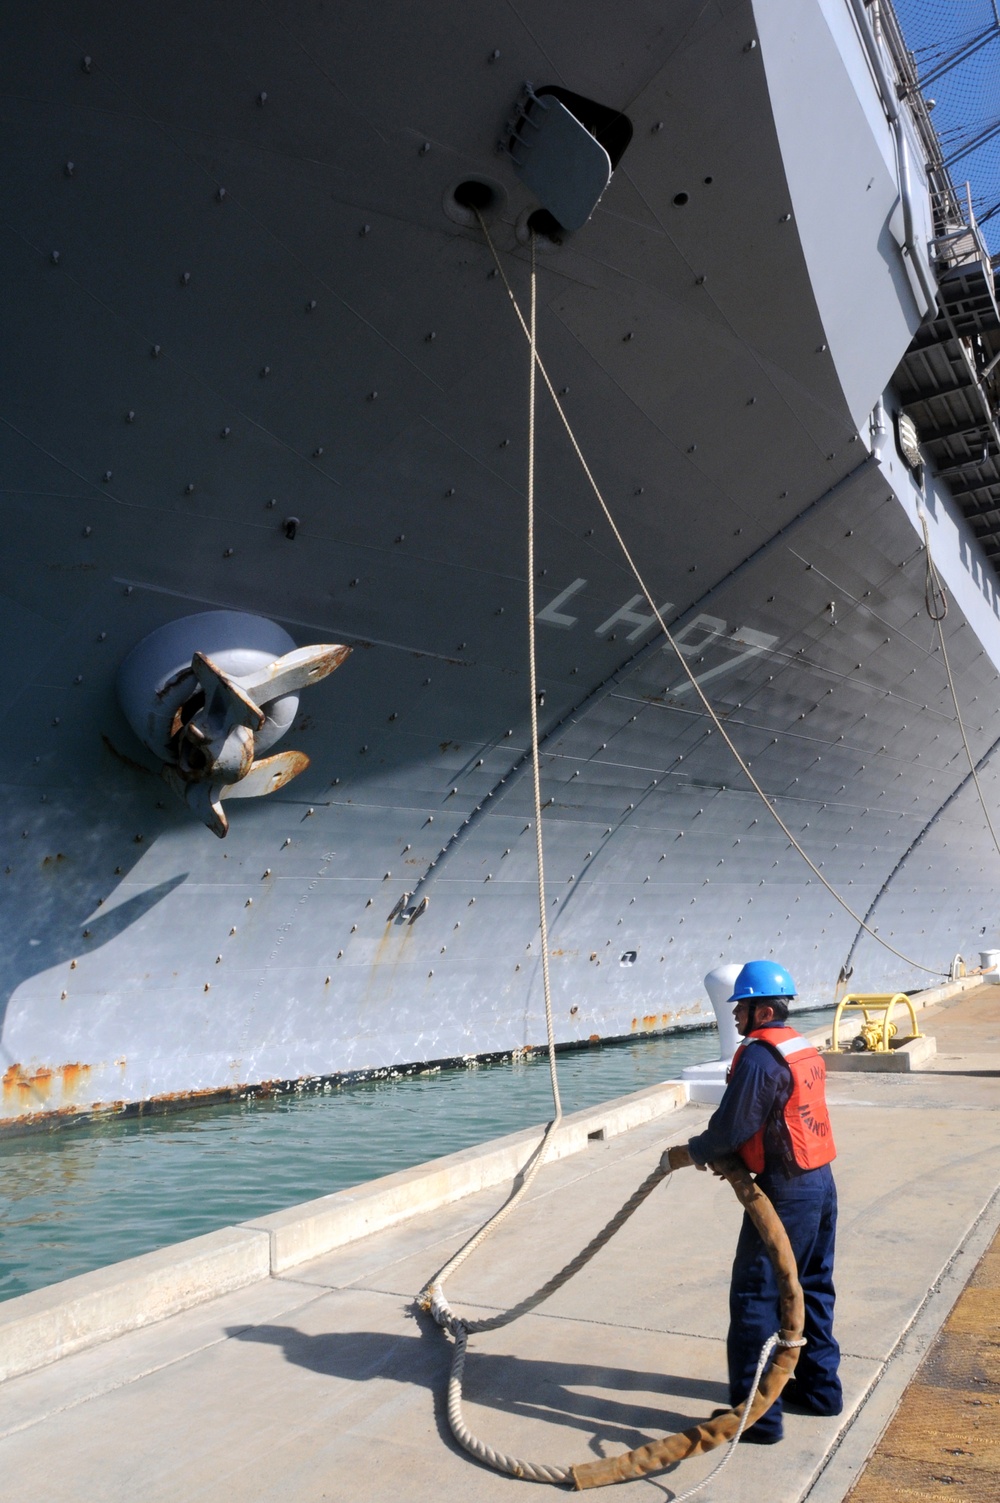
318 1381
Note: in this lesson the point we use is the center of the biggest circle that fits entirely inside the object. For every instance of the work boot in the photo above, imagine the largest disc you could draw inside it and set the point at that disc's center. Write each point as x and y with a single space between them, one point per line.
794 1397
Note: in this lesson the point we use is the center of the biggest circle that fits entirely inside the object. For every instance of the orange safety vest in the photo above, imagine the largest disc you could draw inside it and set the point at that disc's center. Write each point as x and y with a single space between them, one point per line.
806 1115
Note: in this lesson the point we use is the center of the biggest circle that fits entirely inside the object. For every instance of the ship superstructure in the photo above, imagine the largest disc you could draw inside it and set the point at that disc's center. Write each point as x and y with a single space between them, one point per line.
260 361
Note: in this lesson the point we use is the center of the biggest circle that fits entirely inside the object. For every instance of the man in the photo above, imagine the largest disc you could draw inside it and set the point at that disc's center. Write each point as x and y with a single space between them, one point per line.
774 1115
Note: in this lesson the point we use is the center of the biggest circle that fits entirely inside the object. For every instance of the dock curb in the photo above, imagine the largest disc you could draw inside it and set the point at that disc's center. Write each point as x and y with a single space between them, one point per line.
319 1226
40 1327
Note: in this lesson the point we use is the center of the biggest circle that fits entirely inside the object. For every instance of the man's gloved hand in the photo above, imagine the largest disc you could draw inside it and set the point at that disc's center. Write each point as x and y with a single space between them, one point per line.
679 1156
676 1157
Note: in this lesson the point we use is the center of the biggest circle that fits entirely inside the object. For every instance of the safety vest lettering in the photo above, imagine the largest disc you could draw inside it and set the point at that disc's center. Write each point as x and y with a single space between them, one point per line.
818 1126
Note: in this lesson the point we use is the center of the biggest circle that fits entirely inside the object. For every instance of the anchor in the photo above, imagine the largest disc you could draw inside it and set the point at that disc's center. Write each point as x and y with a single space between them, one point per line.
207 716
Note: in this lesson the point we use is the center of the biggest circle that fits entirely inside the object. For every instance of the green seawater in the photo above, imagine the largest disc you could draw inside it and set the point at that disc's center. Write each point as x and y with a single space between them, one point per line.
82 1197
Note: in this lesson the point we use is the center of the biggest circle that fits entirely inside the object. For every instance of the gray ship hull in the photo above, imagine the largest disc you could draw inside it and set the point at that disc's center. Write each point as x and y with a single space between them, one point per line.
187 368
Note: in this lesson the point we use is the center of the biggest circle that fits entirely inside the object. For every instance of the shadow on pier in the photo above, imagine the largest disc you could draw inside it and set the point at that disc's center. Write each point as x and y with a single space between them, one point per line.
563 1393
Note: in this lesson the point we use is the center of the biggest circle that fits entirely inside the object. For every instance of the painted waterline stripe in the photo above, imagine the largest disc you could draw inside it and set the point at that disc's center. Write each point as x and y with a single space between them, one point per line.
40 1327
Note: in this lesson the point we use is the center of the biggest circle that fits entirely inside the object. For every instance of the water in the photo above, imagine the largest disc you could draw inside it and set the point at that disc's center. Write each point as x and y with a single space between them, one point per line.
80 1198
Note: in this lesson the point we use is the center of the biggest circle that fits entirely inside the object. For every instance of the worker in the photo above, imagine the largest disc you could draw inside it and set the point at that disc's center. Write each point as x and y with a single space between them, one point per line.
774 1116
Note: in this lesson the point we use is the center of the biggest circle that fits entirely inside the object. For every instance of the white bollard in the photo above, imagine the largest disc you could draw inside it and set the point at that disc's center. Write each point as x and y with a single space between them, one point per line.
706 1083
990 961
719 985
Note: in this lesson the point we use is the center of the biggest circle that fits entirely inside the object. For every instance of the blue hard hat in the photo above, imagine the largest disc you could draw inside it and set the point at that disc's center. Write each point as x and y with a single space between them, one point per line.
762 978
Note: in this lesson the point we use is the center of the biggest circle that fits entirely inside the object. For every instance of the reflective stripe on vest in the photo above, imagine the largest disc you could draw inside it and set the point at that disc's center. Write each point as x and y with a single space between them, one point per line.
807 1120
792 1046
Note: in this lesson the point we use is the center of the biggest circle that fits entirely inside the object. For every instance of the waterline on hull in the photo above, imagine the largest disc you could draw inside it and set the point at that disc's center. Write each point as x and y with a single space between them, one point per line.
115 1188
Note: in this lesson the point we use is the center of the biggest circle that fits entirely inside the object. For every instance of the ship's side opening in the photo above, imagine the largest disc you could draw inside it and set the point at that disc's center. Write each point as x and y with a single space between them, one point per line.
609 127
474 194
474 199
546 226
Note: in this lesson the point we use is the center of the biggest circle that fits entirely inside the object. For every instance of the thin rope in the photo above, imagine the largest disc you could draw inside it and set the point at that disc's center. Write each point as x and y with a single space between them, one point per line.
432 1297
935 598
935 593
744 768
543 922
727 1456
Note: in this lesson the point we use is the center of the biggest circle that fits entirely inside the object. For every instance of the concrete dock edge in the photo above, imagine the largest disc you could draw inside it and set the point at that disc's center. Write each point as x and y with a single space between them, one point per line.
40 1327
316 1227
846 1459
47 1324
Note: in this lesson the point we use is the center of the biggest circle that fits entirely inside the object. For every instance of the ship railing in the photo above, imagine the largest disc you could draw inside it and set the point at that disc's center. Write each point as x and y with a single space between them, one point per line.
948 209
961 243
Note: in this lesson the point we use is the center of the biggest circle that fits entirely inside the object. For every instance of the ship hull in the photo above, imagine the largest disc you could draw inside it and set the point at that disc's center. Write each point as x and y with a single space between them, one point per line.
188 368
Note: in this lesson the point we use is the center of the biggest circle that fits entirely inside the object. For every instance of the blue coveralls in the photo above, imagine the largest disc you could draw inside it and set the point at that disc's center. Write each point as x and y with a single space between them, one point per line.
806 1201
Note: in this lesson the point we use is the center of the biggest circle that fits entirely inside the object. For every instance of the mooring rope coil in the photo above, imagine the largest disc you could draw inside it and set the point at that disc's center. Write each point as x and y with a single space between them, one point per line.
728 1425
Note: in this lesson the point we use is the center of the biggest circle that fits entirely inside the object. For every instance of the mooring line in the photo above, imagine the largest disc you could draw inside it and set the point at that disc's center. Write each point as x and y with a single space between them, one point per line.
708 708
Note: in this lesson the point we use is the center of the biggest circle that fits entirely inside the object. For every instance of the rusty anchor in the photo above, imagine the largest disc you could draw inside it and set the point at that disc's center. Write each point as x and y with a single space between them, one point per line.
215 747
207 711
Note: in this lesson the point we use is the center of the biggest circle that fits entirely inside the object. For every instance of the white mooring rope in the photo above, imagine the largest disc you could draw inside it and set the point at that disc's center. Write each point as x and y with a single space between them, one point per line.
709 710
432 1296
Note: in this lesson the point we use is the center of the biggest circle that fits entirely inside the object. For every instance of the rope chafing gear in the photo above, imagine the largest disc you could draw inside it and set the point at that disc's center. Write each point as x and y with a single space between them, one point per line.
710 712
654 1455
937 608
727 1456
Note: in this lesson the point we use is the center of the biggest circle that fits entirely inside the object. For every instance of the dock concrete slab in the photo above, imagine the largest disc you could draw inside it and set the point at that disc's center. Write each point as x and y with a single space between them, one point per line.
99 1369
96 1306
